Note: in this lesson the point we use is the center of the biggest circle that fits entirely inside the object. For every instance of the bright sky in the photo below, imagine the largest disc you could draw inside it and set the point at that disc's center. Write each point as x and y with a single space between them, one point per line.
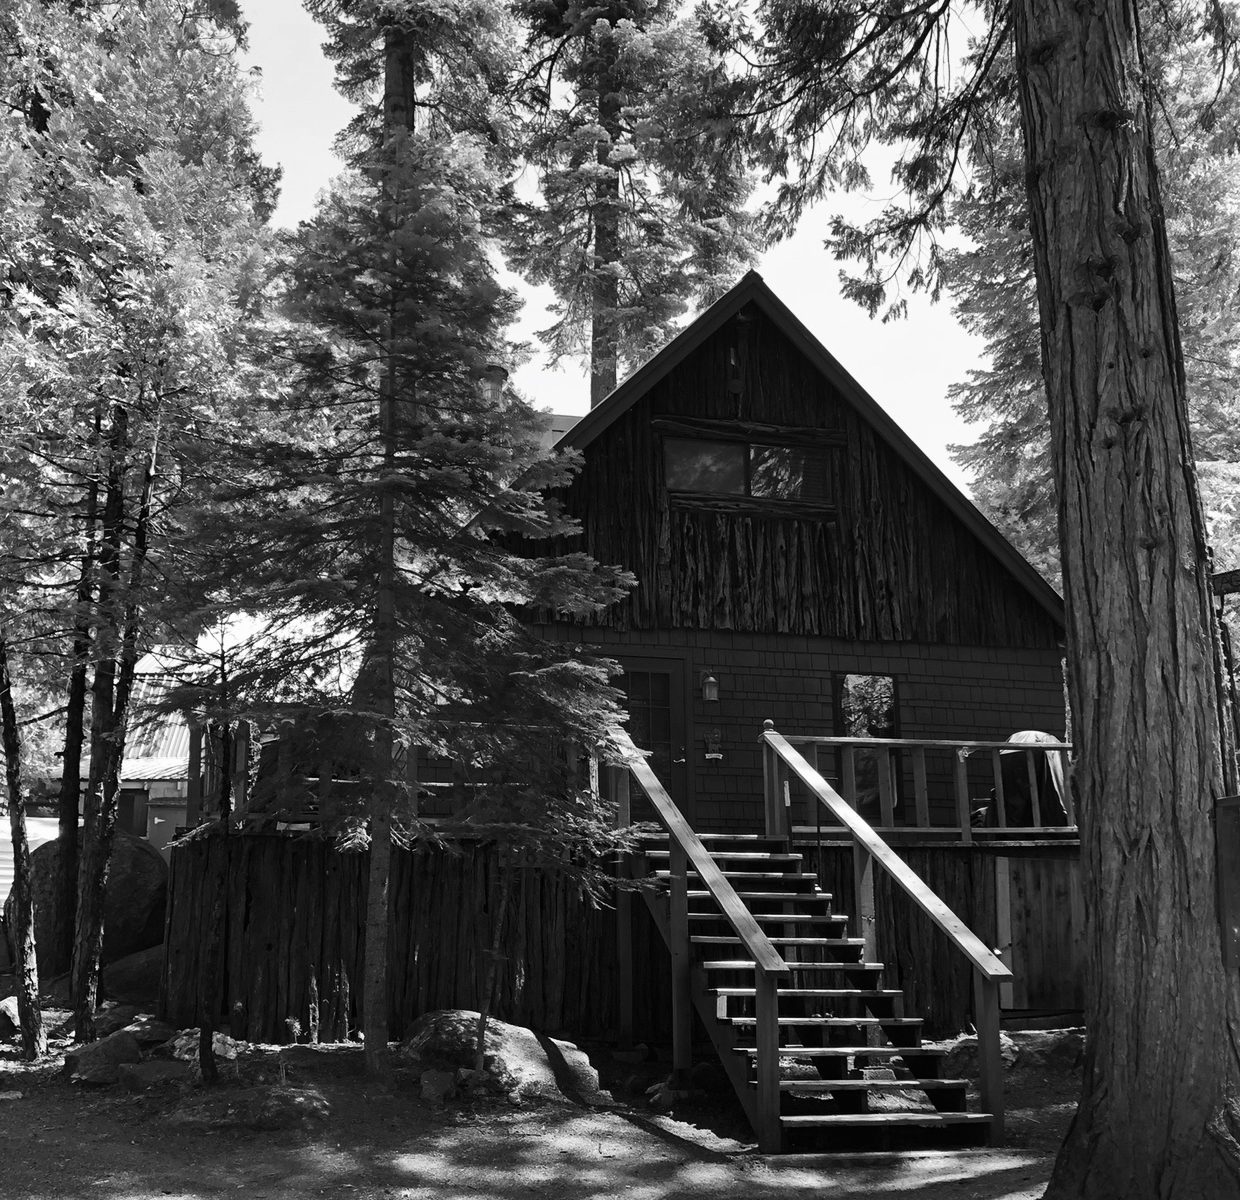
907 366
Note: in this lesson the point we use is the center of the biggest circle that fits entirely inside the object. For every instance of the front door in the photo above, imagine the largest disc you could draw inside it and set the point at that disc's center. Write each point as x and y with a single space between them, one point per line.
654 697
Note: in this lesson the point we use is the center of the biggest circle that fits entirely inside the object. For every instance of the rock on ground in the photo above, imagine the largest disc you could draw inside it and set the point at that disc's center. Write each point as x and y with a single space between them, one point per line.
1046 1048
135 978
99 1062
256 1108
518 1062
133 913
10 1020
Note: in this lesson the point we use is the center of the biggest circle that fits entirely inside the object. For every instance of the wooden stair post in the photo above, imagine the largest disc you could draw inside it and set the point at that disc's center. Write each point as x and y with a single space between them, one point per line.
682 998
766 1067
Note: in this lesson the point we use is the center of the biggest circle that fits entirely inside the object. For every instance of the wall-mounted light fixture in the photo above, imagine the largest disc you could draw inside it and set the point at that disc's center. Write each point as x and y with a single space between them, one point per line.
710 688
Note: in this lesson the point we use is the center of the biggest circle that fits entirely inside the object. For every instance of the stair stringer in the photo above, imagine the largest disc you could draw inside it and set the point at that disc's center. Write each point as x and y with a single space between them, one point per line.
723 1035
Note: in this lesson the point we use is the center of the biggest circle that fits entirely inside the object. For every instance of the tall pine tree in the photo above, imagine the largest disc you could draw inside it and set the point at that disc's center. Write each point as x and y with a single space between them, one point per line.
641 180
373 512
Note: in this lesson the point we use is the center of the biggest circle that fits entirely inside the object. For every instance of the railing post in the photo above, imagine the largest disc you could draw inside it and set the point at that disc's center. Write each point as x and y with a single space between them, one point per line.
771 800
989 1052
964 814
682 1000
618 793
863 899
766 1061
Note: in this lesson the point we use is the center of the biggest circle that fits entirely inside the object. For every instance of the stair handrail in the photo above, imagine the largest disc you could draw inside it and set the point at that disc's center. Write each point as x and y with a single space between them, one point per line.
756 943
868 847
686 849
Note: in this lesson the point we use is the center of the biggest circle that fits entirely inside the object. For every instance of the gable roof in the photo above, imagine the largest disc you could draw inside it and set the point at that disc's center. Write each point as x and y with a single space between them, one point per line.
752 289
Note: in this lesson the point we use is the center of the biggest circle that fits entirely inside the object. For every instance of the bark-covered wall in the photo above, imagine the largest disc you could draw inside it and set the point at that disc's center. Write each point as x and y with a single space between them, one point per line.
886 560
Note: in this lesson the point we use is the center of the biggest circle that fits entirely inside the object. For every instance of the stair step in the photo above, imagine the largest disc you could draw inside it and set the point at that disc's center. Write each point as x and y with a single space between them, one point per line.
836 1022
787 876
826 993
723 939
851 1120
694 894
741 855
873 1085
736 964
778 918
844 1051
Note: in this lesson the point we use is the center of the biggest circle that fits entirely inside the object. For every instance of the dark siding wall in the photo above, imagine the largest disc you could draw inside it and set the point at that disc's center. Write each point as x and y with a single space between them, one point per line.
961 692
894 564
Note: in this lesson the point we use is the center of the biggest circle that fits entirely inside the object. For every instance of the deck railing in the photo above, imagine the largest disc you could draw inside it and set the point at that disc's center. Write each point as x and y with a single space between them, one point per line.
781 760
920 787
687 851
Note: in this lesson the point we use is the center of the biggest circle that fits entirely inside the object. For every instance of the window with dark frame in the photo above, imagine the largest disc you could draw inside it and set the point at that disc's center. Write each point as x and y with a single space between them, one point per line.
701 466
867 706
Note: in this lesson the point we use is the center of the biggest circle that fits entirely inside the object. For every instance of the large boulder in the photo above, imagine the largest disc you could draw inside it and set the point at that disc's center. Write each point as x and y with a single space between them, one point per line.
99 1062
133 910
516 1062
135 978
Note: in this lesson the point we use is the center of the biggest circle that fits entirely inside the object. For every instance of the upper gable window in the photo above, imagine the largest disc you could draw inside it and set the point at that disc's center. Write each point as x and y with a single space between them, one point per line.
702 466
740 468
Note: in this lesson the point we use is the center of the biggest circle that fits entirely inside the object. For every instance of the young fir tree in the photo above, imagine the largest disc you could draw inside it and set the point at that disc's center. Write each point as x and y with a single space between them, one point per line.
995 296
131 299
373 517
1153 747
641 181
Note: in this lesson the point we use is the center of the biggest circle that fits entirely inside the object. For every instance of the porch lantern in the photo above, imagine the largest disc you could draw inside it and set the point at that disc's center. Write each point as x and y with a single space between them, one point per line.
710 689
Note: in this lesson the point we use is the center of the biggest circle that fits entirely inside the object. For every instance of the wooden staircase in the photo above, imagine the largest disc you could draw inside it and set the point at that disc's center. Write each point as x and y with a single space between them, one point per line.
818 1049
852 1069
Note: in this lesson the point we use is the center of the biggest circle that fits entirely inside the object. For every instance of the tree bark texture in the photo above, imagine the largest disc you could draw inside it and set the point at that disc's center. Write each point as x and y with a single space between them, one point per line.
1158 1114
398 120
71 763
30 1017
605 297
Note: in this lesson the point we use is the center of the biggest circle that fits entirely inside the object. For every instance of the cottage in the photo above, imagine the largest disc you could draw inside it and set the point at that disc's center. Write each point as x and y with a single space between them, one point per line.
798 559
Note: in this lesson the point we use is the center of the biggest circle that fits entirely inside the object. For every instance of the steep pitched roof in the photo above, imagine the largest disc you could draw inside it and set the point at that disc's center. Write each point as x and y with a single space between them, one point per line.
752 289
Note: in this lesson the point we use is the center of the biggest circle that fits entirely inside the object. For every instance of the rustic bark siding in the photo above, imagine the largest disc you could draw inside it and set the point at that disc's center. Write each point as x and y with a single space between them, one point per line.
892 563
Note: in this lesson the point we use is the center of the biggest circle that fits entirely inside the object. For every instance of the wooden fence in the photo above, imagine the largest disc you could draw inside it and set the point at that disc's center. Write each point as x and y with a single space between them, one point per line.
293 909
292 915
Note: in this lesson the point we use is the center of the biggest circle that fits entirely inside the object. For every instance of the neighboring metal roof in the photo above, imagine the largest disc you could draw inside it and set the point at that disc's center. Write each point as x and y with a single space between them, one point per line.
752 289
138 770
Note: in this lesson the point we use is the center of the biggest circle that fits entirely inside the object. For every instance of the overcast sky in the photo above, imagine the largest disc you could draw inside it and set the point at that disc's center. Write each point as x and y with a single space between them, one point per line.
906 365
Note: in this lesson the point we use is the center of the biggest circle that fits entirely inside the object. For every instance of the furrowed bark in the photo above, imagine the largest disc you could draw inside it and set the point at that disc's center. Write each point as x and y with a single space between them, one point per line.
34 1038
1159 1115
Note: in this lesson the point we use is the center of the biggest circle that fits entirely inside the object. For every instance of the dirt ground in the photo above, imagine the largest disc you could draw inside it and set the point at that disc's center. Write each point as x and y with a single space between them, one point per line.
62 1141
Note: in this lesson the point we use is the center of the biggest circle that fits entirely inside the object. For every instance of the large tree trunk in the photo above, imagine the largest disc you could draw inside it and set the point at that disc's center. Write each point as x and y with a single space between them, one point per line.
1158 1114
398 118
113 685
71 762
605 293
34 1039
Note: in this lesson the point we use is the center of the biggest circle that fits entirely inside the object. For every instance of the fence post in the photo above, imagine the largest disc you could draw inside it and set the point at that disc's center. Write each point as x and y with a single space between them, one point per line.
682 1000
989 1053
766 1061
